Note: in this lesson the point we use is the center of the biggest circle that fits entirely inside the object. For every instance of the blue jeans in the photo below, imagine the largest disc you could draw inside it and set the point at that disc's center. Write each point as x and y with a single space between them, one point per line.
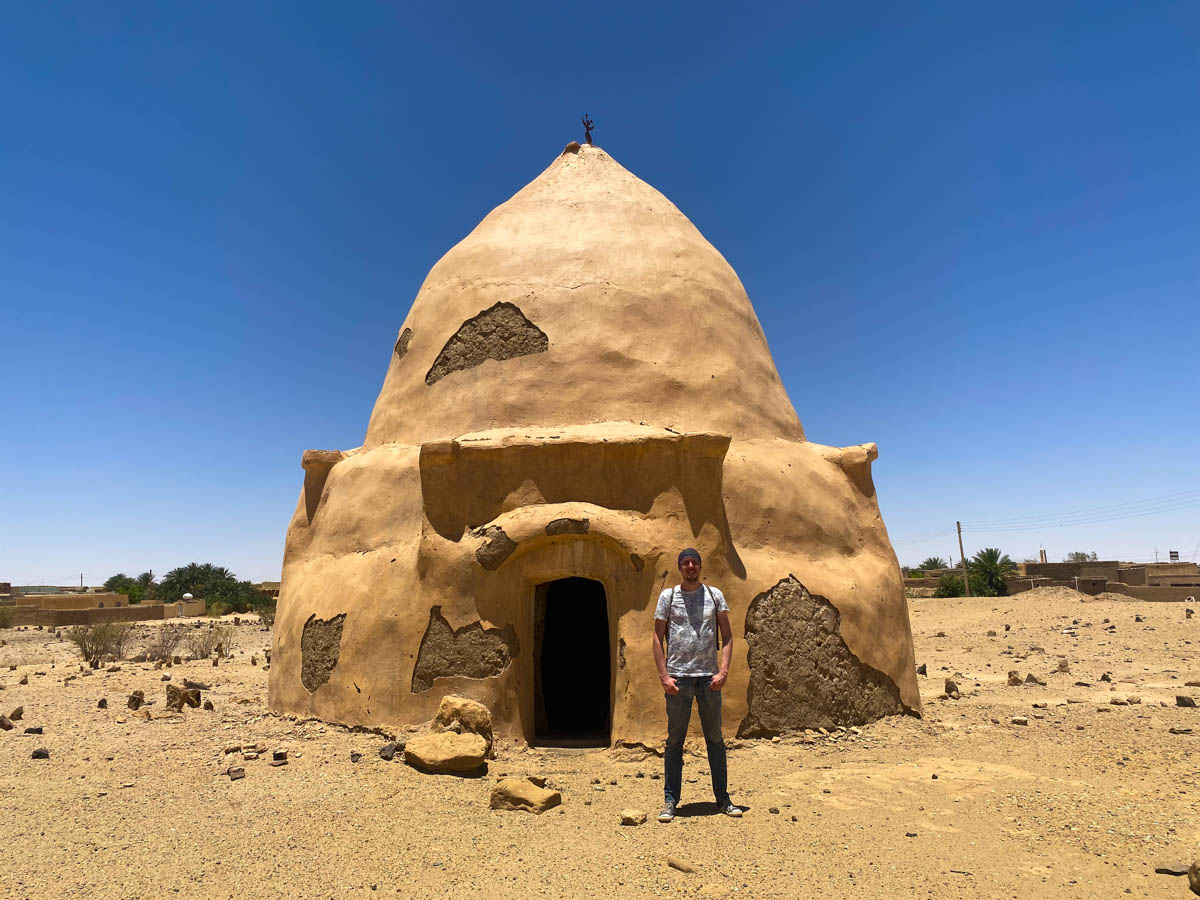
679 712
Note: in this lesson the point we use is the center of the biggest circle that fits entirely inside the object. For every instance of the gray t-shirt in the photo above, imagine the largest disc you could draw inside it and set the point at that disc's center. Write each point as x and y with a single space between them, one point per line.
691 618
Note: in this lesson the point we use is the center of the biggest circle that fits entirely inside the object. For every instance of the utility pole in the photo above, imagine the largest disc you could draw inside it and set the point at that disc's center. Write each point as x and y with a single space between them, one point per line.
962 556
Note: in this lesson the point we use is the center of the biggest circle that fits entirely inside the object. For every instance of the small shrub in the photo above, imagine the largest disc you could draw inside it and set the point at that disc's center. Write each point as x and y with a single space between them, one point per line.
6 616
218 608
165 642
267 614
952 586
96 643
204 642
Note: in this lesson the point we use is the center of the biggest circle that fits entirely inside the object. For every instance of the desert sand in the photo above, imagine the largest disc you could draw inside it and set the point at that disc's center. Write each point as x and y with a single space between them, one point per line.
1083 801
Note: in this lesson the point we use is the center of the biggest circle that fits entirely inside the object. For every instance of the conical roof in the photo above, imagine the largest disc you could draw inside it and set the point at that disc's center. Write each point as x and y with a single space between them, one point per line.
587 297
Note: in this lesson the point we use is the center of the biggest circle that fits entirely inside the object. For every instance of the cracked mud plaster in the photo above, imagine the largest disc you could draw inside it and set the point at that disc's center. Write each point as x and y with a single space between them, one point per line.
802 674
471 652
320 646
496 548
568 526
402 343
499 332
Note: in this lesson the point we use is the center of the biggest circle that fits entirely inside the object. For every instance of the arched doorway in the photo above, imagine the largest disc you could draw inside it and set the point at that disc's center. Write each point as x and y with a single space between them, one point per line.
572 663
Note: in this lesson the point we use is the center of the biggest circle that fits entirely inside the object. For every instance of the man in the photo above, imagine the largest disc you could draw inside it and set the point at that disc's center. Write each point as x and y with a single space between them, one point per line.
688 616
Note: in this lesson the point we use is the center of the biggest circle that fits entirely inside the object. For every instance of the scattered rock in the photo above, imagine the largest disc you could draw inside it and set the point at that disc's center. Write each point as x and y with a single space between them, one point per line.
208 704
24 680
678 864
1107 676
1177 730
1014 678
355 756
236 772
518 793
17 714
1064 666
34 729
922 669
447 752
41 753
389 750
1030 678
633 817
1185 700
1019 720
5 724
462 714
102 703
1194 877
951 687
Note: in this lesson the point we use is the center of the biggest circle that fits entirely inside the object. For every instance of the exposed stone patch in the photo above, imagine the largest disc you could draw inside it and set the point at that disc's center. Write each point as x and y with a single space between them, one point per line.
497 547
621 652
638 562
320 646
802 674
568 526
499 332
402 343
470 652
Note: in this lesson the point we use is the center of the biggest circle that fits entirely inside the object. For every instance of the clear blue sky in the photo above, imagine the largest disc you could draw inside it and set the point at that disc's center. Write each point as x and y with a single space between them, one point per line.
971 232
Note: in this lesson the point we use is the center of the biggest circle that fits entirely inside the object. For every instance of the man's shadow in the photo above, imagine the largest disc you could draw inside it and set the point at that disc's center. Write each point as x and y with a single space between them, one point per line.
687 810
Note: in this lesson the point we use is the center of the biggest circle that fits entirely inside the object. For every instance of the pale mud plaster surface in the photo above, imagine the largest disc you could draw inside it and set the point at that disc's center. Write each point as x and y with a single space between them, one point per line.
802 675
499 333
320 647
472 651
554 400
1083 802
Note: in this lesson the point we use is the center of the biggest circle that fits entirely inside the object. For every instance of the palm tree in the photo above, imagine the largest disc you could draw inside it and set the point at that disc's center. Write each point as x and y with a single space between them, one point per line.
990 565
933 562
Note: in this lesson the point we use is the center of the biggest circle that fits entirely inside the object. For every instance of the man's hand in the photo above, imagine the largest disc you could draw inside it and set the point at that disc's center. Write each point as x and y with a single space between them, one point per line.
669 685
718 681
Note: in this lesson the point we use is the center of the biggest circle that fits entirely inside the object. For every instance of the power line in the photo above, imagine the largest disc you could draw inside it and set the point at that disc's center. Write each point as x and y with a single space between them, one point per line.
1092 520
1129 506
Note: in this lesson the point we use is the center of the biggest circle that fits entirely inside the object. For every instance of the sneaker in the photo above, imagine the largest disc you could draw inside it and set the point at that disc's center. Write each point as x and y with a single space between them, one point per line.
733 811
668 812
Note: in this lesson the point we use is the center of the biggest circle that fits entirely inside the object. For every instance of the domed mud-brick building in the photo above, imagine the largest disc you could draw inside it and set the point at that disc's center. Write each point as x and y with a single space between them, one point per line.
580 389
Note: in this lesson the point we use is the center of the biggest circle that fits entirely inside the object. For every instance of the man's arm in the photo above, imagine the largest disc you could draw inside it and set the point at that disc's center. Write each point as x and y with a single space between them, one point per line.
718 680
660 658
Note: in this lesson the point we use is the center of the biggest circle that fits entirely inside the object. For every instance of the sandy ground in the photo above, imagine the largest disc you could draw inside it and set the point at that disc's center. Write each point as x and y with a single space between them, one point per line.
1084 801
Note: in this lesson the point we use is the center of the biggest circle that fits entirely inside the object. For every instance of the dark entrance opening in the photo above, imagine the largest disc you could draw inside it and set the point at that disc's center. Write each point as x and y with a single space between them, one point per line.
571 664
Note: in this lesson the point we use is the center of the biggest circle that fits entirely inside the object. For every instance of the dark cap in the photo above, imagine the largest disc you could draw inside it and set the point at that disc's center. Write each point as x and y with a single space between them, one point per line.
689 552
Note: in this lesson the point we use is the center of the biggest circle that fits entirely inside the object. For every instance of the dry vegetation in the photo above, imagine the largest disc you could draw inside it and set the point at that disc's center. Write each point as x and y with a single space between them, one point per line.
1083 801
